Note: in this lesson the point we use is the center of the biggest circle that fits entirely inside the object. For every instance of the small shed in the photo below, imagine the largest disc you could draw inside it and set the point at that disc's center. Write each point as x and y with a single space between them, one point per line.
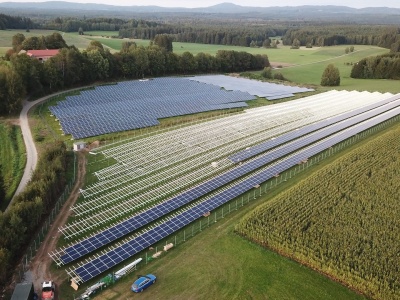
23 291
78 146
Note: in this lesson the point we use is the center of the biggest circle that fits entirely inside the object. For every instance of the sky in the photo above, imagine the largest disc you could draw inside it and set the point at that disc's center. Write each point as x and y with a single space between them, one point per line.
260 3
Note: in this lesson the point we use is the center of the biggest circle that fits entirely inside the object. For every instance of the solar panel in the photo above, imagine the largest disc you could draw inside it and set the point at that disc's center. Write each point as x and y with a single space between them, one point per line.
271 91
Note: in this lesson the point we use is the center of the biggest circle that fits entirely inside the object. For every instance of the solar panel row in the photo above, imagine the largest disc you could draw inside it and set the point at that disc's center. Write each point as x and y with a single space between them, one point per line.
120 253
260 148
99 240
271 91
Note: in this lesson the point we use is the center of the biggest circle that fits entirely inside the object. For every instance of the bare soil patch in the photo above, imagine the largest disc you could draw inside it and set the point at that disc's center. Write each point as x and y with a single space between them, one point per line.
278 65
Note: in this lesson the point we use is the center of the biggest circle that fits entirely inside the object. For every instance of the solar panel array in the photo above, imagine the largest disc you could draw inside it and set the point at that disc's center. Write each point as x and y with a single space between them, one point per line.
111 258
317 131
271 91
138 104
166 158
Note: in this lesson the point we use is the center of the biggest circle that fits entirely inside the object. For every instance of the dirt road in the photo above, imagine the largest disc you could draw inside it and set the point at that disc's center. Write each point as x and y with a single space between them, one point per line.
31 152
40 266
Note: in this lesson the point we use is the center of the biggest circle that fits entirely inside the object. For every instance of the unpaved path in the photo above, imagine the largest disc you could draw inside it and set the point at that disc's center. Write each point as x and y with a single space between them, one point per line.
31 152
40 266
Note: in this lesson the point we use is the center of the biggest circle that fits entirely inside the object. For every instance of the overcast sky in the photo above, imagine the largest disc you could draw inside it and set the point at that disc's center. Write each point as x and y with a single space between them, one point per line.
203 3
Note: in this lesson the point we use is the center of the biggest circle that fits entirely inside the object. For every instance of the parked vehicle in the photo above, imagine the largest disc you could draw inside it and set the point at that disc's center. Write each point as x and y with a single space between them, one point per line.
143 282
48 290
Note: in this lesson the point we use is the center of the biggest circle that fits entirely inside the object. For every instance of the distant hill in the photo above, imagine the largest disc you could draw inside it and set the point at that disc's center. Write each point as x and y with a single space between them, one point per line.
223 8
375 15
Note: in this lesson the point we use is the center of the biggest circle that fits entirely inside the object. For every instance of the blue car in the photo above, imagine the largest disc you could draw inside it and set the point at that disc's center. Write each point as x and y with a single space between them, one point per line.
143 282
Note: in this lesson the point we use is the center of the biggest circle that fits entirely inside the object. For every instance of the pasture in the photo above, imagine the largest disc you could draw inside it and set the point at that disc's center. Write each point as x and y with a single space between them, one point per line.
12 159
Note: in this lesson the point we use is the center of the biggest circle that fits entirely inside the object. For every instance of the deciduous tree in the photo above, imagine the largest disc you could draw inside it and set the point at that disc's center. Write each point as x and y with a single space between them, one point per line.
331 76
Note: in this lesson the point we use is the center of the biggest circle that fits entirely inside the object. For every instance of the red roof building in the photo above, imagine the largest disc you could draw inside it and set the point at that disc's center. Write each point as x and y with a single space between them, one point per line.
42 55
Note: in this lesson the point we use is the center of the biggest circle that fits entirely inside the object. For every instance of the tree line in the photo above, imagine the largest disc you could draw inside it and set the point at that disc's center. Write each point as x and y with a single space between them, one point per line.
71 67
223 32
12 22
385 66
20 222
343 35
233 35
73 24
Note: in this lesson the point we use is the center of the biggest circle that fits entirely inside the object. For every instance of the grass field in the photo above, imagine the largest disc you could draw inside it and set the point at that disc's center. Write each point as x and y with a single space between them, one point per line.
12 159
311 72
80 42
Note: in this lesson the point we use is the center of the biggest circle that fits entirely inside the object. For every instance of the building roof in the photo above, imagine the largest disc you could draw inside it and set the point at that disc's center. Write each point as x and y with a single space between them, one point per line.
22 291
46 52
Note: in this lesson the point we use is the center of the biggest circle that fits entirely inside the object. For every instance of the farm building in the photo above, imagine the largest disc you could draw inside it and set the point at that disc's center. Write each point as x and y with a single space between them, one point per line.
41 55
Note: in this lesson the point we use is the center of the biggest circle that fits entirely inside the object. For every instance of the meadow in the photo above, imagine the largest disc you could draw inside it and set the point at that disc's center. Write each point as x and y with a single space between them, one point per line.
12 159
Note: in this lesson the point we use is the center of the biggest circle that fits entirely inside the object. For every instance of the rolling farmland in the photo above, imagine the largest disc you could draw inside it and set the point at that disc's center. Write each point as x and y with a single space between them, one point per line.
343 220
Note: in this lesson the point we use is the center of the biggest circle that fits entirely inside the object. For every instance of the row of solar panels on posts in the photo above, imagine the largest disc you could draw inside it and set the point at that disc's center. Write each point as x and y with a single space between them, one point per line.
138 104
355 122
271 91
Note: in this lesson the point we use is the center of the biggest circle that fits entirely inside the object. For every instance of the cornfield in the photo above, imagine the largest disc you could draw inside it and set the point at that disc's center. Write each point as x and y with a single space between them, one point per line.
343 221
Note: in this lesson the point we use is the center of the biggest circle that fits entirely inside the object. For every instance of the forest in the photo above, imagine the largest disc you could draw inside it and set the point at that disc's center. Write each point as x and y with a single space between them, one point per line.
379 67
221 31
382 36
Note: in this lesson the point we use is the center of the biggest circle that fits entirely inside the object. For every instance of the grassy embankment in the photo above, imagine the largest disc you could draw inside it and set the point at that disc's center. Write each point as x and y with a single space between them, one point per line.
12 159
